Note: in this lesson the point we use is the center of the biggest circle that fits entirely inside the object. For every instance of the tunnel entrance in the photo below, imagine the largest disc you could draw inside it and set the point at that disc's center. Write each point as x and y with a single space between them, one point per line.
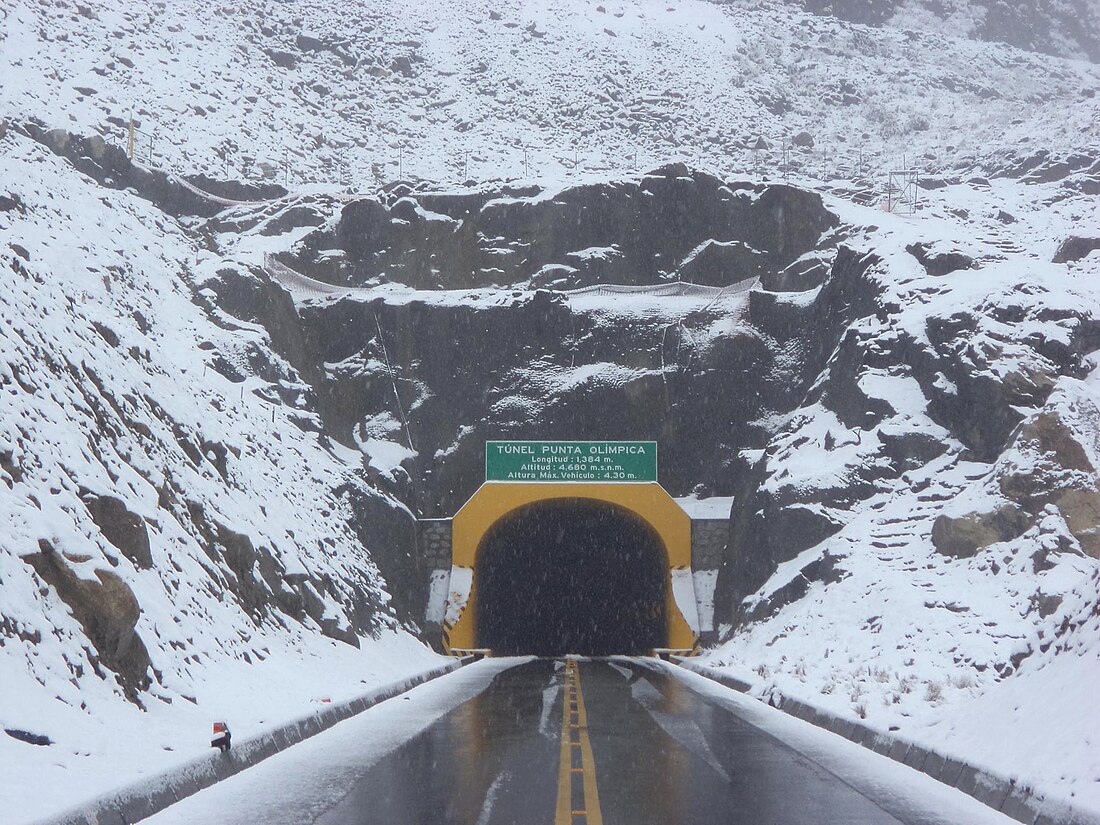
571 575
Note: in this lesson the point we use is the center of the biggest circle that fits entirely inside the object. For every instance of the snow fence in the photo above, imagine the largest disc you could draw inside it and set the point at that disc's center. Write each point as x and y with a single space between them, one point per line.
1014 799
149 796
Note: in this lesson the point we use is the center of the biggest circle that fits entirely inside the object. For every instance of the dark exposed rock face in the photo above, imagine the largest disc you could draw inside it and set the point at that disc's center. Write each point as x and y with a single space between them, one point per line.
1075 248
808 272
388 536
110 166
671 223
978 389
719 264
823 340
107 610
981 406
534 366
521 370
125 530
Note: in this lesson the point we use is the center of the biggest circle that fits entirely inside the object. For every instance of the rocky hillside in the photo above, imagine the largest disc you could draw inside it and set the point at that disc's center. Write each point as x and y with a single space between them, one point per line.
358 94
179 534
917 545
1068 28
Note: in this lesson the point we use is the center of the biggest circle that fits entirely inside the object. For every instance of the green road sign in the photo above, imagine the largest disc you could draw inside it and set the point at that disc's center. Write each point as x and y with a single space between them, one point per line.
570 460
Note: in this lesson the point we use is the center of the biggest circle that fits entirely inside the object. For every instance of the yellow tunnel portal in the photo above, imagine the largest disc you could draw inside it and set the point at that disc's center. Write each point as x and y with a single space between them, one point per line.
556 568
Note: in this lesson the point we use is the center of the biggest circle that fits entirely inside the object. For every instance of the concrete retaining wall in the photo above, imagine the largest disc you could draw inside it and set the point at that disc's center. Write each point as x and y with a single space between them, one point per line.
1015 800
147 797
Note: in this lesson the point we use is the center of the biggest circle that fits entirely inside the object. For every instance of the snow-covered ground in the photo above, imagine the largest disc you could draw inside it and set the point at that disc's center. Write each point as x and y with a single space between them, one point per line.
353 94
117 381
991 657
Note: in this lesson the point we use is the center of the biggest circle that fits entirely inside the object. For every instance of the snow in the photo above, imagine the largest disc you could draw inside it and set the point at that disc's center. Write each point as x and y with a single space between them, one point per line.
491 99
300 783
712 507
385 455
683 592
896 788
99 262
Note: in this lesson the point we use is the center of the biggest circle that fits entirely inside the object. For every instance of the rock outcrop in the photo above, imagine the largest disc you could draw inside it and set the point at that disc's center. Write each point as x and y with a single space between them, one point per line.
672 223
106 608
1075 248
965 536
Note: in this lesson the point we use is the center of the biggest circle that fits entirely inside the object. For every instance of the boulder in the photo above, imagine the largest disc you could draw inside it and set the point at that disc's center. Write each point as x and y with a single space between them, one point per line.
803 139
910 450
284 60
967 535
797 527
107 609
308 43
402 65
1075 248
939 261
1053 468
1081 510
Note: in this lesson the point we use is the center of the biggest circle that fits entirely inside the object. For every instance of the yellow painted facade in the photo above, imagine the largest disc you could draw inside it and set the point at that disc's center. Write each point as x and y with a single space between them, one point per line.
495 500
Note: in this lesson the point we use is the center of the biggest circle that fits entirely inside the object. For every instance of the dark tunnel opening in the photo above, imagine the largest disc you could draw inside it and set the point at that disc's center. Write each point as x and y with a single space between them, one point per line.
571 576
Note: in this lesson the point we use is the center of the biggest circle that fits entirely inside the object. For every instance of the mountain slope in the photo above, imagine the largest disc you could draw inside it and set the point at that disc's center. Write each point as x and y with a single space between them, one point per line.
354 94
177 543
1068 28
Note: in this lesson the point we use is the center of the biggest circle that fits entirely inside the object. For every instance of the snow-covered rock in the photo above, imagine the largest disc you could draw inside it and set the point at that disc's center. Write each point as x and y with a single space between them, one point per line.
176 543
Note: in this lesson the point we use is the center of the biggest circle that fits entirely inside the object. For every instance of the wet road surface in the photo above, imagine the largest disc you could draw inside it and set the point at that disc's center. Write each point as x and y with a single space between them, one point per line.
622 742
661 754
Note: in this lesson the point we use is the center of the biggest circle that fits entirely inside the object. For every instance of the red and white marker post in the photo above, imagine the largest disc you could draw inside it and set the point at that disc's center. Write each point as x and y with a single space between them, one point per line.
222 737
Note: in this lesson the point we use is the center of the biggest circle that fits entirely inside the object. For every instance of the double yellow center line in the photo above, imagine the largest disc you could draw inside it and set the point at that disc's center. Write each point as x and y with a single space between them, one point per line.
578 799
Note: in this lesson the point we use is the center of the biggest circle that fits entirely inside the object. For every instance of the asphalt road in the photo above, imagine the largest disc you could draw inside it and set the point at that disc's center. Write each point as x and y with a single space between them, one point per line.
553 742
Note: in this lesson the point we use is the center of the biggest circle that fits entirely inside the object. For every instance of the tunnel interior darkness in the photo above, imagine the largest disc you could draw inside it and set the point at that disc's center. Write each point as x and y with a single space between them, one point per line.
571 576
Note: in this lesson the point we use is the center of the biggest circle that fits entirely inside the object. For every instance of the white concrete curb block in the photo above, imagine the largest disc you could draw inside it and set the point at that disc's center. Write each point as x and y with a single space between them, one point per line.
1015 800
147 797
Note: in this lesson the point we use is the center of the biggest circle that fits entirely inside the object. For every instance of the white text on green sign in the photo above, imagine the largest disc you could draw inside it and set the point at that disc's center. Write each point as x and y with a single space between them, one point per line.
597 461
